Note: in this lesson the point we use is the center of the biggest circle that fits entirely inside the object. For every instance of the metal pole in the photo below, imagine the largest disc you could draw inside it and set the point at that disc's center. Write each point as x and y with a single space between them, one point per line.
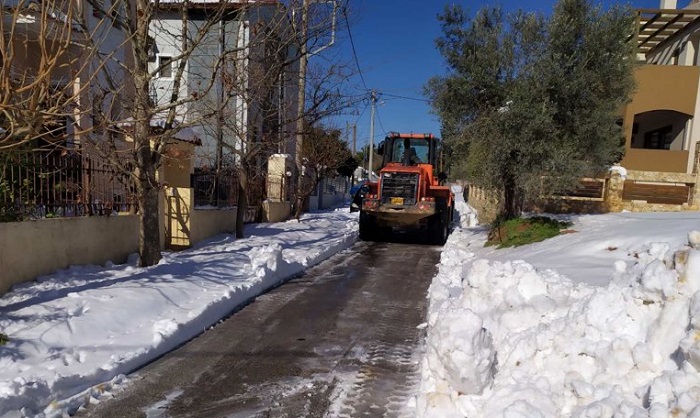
371 135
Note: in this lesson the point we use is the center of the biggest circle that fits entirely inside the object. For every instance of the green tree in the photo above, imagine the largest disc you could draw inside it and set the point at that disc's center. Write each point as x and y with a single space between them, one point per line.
531 102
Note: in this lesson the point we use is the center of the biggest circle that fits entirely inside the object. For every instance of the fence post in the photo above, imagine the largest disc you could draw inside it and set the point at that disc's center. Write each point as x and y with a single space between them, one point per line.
615 185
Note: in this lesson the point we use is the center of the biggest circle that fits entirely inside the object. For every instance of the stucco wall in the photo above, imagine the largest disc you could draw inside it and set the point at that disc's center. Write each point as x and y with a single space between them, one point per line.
662 88
207 223
276 211
34 248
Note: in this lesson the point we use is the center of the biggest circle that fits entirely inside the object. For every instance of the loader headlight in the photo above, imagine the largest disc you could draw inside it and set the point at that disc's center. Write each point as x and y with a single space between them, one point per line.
370 204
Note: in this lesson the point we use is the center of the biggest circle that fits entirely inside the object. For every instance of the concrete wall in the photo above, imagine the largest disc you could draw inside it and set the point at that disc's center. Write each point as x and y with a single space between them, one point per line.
34 248
329 193
207 223
276 211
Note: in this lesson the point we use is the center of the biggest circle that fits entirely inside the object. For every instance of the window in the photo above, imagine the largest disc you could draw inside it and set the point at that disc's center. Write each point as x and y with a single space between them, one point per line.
415 149
659 138
165 63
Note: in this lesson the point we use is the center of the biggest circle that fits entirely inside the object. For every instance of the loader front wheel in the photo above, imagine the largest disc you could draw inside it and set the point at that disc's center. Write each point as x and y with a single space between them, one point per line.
368 227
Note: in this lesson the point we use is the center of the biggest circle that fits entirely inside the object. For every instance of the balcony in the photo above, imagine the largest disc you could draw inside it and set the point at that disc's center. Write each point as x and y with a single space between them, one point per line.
657 120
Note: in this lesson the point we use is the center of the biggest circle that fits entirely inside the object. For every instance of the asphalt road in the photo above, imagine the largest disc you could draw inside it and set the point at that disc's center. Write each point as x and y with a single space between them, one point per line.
340 341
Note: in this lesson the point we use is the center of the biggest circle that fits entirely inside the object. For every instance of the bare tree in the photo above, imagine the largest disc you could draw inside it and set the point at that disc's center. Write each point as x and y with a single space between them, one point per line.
142 100
39 49
268 93
138 73
324 155
256 123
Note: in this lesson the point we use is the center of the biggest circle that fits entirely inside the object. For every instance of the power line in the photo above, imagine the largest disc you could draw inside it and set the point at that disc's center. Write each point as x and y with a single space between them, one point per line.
354 52
381 125
406 97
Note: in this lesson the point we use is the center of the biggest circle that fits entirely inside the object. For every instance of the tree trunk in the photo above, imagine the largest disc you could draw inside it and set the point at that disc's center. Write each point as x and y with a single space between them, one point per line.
149 219
146 153
512 199
242 204
307 188
298 207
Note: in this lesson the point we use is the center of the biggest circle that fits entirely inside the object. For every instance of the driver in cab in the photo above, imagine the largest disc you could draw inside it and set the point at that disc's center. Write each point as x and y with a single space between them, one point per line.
411 157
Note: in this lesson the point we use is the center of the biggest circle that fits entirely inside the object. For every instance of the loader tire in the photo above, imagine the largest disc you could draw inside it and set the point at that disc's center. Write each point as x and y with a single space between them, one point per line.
368 227
439 225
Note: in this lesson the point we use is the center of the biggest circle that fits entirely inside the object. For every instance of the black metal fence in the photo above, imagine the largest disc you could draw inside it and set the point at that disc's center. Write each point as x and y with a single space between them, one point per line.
212 190
221 191
60 183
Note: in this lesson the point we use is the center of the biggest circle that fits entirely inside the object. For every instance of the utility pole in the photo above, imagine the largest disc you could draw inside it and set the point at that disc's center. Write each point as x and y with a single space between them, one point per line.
354 139
303 61
373 99
301 94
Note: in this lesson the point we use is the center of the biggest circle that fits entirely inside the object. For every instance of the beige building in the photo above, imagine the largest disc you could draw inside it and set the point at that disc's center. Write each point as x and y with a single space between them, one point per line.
661 128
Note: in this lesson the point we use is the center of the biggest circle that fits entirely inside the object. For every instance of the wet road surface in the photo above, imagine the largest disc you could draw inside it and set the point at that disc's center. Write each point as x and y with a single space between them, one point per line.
339 341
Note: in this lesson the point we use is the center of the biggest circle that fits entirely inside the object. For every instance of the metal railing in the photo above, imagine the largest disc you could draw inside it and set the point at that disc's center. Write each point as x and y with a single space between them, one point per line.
215 191
60 183
221 191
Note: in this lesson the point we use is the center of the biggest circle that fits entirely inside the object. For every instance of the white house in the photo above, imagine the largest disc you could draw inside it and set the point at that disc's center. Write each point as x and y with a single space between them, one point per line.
238 104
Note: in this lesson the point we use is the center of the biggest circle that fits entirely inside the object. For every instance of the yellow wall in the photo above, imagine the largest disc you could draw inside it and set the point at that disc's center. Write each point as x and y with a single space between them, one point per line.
655 160
34 248
660 87
665 87
186 226
208 223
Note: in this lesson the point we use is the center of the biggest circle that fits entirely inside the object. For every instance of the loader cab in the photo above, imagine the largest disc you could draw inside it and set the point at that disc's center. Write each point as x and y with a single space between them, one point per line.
408 149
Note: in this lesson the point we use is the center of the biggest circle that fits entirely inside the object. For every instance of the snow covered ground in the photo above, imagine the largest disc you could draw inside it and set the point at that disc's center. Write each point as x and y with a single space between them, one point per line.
76 333
600 322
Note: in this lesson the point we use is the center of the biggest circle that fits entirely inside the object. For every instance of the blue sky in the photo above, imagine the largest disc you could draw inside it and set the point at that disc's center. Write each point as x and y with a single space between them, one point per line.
395 45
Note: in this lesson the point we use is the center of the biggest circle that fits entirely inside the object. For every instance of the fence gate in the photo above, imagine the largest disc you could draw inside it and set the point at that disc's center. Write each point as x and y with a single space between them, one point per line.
177 233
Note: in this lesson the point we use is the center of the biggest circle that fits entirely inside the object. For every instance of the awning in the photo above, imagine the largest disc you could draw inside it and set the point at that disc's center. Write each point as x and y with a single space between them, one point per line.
655 26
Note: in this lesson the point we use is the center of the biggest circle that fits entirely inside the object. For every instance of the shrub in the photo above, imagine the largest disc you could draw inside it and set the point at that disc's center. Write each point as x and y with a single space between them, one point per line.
520 231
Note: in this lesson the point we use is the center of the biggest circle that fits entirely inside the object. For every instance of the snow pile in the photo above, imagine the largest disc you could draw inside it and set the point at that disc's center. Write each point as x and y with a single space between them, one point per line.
508 340
467 214
76 333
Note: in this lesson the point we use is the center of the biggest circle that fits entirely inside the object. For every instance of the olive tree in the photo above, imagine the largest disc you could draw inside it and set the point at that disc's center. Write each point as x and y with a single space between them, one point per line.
531 102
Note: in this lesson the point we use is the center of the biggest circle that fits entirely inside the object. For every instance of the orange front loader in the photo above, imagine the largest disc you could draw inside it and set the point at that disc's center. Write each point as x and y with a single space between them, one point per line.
409 192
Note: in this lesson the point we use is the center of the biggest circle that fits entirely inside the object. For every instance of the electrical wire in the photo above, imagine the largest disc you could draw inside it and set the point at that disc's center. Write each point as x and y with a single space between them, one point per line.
406 97
354 51
379 119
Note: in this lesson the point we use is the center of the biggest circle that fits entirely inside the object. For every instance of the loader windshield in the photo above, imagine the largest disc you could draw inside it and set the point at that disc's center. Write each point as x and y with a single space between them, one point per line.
410 151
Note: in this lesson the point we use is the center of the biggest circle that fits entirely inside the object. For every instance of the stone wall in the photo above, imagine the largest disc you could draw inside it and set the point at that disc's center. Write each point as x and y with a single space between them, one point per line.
487 202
